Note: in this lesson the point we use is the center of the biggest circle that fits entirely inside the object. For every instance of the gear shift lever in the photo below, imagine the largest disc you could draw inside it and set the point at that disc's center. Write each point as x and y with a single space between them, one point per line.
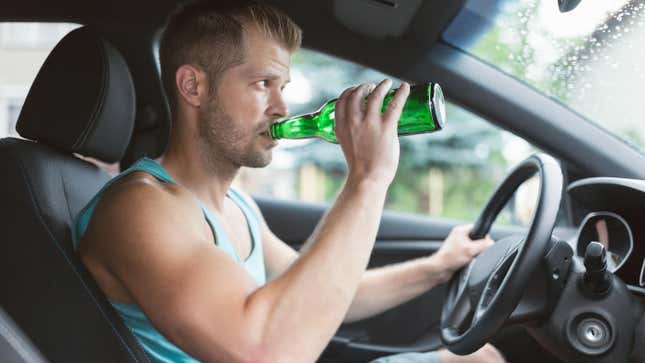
596 279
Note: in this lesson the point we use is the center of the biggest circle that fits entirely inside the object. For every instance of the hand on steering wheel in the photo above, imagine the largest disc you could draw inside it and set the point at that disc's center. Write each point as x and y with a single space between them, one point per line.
458 249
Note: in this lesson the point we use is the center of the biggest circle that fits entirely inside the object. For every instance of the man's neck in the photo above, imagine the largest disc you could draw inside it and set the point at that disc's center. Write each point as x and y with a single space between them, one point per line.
209 179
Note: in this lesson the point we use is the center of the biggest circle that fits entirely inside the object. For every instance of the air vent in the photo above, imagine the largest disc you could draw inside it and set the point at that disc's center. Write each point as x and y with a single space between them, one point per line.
376 18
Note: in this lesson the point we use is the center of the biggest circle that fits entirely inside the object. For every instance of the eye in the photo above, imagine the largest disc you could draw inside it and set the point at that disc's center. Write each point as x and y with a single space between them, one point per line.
263 83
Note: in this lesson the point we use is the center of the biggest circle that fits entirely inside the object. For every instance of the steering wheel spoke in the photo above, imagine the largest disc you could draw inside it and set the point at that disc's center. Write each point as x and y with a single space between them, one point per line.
459 304
494 283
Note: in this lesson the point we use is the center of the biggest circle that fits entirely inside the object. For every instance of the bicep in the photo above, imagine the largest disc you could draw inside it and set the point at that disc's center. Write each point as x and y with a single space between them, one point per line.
190 290
197 300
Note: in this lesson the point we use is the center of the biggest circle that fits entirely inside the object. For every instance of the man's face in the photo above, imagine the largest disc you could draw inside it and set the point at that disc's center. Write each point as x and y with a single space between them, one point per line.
248 99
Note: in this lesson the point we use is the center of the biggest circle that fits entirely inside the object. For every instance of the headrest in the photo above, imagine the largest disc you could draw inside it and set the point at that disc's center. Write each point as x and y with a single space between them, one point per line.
82 100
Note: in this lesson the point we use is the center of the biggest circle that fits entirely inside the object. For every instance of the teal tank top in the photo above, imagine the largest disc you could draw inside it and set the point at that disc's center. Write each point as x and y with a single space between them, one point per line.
156 345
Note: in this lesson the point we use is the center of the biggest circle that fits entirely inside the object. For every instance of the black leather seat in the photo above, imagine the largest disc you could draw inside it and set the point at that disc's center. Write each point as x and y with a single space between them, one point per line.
82 101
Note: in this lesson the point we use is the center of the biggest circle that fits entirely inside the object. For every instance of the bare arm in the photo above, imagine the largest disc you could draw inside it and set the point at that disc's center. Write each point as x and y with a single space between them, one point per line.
383 288
313 295
203 301
379 289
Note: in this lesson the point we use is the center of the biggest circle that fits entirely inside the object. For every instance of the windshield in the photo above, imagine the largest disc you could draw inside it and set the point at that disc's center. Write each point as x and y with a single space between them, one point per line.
589 59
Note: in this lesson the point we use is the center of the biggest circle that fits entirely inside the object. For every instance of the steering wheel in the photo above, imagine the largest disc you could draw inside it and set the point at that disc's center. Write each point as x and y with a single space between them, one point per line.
482 295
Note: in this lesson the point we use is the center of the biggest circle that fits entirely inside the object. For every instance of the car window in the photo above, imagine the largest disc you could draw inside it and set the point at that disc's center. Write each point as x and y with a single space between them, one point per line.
23 49
446 174
589 59
449 174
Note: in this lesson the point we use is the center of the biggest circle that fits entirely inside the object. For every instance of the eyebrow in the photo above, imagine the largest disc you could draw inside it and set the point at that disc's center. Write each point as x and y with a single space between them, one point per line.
270 76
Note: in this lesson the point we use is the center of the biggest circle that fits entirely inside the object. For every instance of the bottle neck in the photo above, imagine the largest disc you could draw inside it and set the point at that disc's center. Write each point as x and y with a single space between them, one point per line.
284 129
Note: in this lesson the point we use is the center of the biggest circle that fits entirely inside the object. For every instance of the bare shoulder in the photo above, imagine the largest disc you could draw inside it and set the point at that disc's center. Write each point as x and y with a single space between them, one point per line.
138 210
141 196
141 185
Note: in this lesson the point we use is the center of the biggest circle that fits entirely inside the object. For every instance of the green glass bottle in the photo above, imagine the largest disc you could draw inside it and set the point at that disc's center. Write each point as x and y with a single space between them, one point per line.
424 111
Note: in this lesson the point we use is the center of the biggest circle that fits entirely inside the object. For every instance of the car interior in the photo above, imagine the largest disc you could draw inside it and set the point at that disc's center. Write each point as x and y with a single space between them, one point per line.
555 290
15 347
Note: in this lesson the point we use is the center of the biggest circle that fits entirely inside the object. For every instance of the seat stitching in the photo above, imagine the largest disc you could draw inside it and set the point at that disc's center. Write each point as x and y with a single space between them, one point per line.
39 216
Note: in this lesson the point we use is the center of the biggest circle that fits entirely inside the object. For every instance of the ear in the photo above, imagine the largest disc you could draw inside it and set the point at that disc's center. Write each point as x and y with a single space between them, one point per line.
192 85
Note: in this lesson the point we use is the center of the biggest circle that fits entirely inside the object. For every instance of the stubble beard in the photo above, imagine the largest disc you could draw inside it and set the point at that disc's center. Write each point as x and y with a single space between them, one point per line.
220 142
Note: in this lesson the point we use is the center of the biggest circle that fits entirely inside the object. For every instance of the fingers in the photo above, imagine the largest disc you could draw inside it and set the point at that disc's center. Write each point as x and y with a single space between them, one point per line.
479 245
463 228
459 250
355 102
351 102
394 108
340 108
476 247
472 247
375 100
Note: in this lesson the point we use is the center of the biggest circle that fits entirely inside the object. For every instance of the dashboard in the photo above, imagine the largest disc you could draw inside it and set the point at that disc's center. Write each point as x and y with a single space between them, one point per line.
611 211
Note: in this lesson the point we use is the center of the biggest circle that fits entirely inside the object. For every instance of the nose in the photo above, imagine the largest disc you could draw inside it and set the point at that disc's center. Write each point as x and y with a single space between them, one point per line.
278 108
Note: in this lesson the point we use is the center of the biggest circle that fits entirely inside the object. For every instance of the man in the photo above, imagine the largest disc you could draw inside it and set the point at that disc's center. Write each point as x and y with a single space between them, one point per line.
190 264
